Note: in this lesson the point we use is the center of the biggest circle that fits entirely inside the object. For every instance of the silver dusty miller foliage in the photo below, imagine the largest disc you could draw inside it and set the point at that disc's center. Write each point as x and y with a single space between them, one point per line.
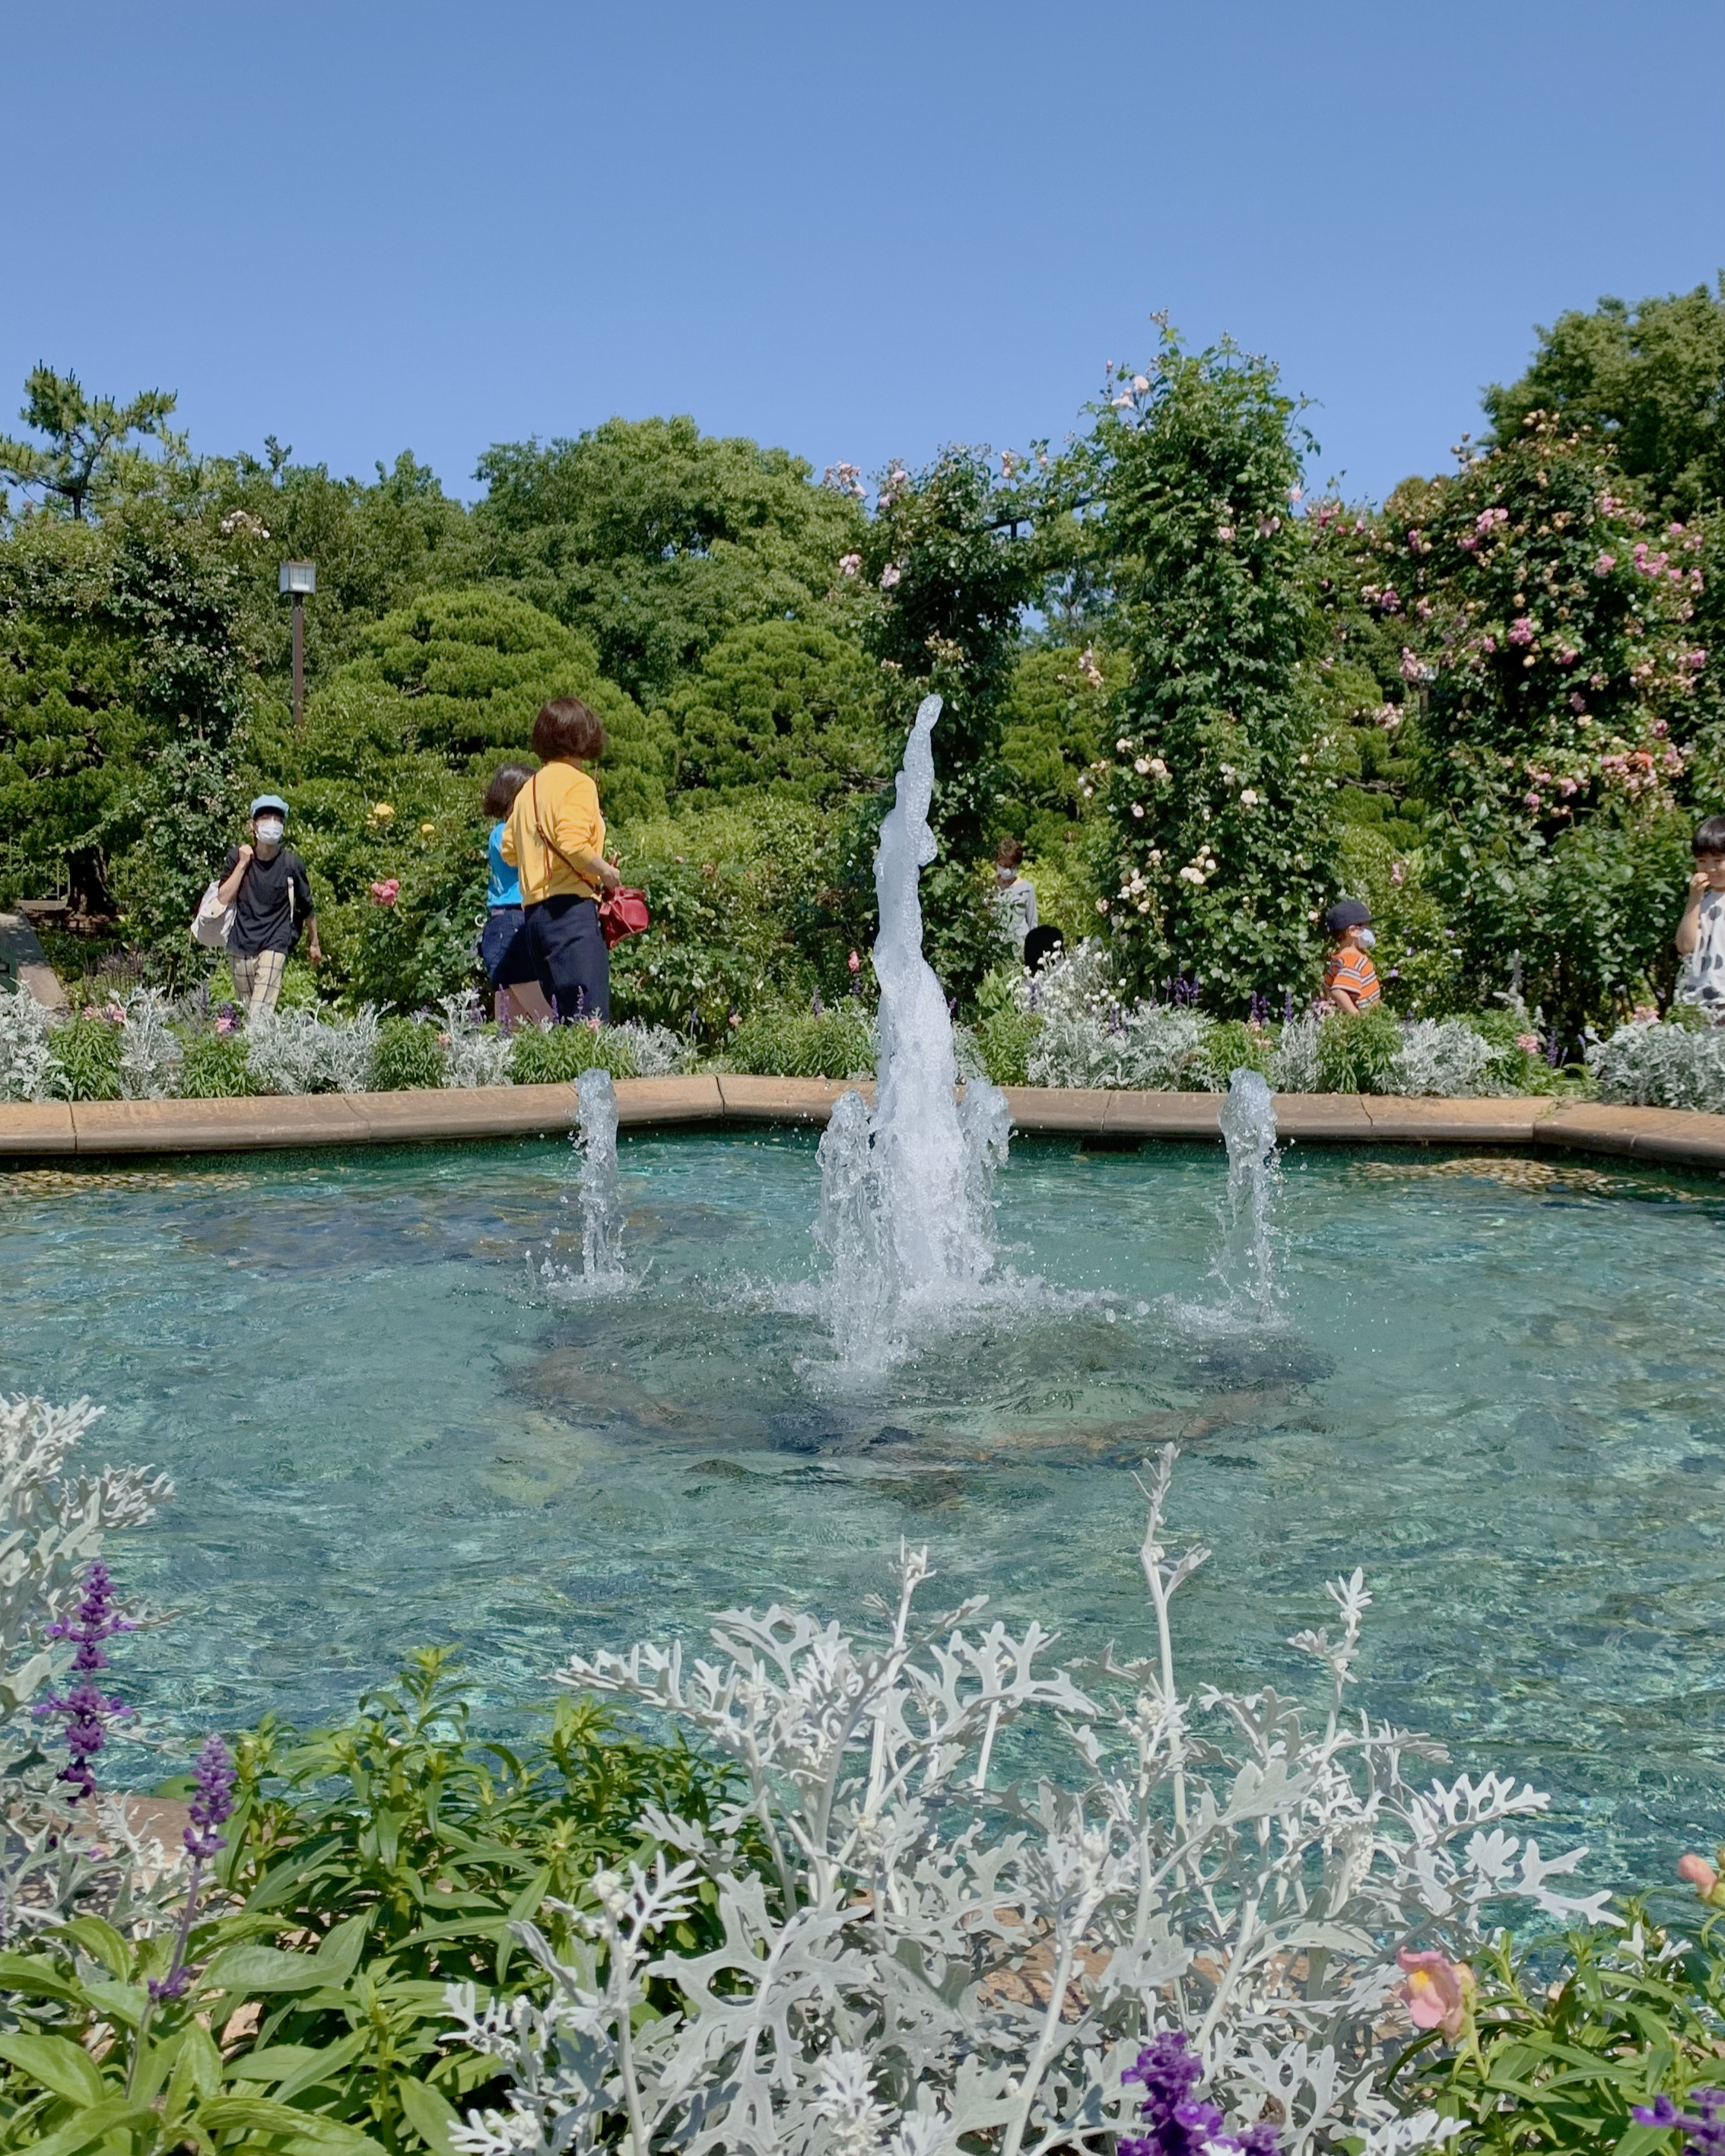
52 1522
926 1953
1661 1066
26 1059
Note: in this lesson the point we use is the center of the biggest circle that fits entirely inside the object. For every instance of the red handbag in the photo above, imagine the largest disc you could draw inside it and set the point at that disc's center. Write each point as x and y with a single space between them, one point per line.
623 912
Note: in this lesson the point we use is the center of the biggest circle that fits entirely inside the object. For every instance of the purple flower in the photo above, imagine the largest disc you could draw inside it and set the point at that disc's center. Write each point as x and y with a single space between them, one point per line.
86 1708
1176 2126
1706 2133
213 1801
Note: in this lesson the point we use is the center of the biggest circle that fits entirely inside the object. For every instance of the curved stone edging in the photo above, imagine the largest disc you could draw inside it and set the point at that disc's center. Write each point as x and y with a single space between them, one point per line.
111 1129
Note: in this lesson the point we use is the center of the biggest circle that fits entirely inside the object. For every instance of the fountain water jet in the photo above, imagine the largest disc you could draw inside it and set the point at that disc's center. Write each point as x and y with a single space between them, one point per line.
905 1210
1245 1262
598 1194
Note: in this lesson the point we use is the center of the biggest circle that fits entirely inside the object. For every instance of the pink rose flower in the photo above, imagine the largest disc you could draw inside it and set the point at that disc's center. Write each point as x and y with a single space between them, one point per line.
853 962
386 892
1605 564
1521 630
1528 1043
1702 1876
1438 1992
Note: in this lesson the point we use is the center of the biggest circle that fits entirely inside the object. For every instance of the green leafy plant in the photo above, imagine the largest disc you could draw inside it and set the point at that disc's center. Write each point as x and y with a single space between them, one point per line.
408 1056
84 1060
1556 2058
554 1056
833 1044
1356 1048
215 1068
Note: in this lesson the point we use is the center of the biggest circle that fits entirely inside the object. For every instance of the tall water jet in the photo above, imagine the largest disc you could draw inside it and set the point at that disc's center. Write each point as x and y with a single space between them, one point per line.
1245 1262
601 1194
906 1207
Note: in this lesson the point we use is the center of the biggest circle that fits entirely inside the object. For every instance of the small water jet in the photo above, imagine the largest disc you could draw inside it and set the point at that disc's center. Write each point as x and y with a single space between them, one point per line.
598 1195
1245 1261
906 1207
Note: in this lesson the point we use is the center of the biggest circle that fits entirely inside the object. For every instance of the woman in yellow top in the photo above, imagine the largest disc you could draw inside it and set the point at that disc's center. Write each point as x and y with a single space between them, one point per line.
556 837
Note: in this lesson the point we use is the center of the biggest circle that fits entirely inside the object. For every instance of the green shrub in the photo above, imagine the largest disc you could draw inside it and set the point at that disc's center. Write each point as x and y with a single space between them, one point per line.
1355 1050
408 1056
84 1057
1234 1045
1004 1039
557 1056
215 1068
837 1043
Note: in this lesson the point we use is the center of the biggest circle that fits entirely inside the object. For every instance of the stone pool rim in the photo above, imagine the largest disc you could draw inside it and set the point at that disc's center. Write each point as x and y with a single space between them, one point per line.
51 1129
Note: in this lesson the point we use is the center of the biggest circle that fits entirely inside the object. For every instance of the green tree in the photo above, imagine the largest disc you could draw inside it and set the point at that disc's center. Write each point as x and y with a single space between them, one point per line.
656 541
473 667
788 705
1650 378
120 673
377 545
1216 798
89 449
948 561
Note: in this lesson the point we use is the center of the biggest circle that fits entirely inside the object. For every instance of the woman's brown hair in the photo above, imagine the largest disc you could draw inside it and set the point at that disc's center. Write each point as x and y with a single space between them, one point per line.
507 780
565 728
1009 852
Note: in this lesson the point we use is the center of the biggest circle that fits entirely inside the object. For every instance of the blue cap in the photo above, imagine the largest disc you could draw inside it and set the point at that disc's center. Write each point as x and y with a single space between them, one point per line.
268 801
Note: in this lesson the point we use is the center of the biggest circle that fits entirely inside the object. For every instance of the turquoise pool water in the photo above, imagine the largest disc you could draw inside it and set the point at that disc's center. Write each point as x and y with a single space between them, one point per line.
1497 1390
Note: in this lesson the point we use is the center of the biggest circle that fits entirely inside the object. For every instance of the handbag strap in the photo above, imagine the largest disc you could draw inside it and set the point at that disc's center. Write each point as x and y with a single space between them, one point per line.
551 846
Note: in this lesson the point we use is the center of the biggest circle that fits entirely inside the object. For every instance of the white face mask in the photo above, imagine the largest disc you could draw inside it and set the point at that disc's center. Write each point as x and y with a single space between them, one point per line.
1367 939
269 830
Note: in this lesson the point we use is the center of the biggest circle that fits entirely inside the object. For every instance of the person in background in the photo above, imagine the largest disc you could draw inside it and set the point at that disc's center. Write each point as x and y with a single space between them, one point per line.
1350 978
556 836
1014 893
503 944
267 886
1701 932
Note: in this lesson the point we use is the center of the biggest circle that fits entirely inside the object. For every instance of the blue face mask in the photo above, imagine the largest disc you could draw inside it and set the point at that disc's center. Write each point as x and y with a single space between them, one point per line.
1367 939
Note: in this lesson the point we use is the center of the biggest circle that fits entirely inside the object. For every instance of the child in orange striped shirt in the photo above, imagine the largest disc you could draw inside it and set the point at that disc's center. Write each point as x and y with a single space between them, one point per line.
1350 978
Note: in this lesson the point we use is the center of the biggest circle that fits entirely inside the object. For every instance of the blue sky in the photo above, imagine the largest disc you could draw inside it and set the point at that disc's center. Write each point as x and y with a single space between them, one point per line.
858 231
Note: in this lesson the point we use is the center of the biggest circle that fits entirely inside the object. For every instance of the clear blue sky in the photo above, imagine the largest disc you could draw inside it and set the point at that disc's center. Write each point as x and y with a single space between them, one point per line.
859 231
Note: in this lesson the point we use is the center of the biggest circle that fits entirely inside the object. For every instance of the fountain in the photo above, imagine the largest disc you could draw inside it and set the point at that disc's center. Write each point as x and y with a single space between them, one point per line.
906 1206
598 1194
1245 1261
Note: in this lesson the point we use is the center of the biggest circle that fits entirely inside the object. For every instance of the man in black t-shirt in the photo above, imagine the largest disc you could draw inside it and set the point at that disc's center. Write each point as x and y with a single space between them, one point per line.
270 893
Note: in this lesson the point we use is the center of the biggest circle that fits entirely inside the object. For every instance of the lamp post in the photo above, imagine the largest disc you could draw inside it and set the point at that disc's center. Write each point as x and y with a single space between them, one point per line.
297 578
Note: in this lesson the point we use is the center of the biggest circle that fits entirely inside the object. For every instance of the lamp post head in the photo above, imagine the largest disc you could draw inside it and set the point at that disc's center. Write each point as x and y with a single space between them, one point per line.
298 577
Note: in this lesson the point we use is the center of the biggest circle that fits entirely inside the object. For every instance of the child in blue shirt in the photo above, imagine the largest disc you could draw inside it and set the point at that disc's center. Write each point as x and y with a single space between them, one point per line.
503 946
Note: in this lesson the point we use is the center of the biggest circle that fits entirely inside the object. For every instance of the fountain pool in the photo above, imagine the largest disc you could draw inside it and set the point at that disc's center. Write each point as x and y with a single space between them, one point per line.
1497 1388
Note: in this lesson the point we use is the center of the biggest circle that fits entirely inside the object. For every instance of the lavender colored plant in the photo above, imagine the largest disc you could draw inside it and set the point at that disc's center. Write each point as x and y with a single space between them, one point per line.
212 1803
1704 2128
87 1709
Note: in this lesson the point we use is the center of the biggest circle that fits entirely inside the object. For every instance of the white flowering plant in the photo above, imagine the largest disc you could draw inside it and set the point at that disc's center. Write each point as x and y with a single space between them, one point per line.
922 1947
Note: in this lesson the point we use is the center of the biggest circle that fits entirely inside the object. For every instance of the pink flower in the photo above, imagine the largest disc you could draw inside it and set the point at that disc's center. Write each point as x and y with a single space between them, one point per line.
1605 564
1411 668
853 962
1469 540
1701 1876
890 576
1487 519
1398 873
848 564
386 892
1694 660
1438 1992
1521 630
1567 655
1531 800
1529 1043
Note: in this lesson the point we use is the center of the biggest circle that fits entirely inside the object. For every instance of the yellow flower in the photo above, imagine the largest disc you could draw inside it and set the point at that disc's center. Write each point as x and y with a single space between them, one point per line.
381 812
426 829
